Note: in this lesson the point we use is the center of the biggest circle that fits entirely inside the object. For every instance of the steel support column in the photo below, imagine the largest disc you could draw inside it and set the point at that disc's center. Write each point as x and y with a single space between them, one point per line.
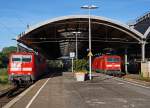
143 50
126 61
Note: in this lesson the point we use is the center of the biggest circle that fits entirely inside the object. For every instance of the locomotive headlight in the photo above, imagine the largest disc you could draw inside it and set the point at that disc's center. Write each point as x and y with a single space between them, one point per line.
29 73
108 65
117 65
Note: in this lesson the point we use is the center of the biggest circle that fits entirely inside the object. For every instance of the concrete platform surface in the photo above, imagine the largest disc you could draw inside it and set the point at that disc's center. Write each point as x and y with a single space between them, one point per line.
62 91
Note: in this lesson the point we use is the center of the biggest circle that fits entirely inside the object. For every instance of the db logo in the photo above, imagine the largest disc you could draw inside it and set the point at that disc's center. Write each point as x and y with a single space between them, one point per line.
16 65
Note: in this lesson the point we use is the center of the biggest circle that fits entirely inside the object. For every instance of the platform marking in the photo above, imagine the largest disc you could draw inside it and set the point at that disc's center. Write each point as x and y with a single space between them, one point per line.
120 83
132 83
34 97
125 81
12 102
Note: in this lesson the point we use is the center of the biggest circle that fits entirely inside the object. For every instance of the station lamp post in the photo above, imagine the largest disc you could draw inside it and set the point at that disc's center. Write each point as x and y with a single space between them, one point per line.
89 7
76 34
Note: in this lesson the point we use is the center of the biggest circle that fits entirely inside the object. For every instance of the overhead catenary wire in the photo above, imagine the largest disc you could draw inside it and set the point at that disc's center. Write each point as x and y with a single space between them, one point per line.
27 25
8 29
20 20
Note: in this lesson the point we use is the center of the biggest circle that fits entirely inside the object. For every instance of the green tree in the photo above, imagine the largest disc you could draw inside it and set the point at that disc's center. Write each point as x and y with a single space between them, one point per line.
1 56
4 55
8 50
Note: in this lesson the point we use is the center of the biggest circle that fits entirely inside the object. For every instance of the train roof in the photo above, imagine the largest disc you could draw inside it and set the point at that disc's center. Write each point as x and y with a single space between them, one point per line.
108 56
22 53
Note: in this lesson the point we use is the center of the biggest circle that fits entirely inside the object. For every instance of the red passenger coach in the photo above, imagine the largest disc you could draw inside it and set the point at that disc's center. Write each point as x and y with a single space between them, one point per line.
109 64
25 67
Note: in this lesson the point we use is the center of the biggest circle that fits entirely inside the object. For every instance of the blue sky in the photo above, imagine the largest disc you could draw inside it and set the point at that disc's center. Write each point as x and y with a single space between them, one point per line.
16 14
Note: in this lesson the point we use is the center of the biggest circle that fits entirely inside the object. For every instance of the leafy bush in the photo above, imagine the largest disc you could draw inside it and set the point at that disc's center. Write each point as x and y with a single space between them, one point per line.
55 63
4 80
80 65
3 76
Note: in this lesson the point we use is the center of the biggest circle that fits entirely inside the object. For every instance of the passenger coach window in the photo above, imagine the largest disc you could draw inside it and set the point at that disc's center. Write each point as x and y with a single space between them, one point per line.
16 59
113 60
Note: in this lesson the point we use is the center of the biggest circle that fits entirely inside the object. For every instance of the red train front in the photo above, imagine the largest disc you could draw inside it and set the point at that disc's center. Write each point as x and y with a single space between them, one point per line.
109 64
25 67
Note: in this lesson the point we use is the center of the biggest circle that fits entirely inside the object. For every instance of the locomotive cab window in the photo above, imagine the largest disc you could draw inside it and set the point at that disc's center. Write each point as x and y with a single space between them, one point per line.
26 59
113 60
16 59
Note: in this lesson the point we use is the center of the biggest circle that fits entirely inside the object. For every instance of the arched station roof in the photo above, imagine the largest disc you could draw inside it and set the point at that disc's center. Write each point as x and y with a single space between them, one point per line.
55 37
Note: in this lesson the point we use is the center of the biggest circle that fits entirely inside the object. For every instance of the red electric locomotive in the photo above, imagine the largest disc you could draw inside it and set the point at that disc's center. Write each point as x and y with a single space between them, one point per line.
108 64
25 67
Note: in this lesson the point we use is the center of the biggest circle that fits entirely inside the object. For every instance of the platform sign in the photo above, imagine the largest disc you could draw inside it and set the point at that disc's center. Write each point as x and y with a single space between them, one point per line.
90 54
72 54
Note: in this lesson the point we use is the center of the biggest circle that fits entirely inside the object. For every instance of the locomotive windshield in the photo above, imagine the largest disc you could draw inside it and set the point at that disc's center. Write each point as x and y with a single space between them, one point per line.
113 60
20 58
26 59
16 59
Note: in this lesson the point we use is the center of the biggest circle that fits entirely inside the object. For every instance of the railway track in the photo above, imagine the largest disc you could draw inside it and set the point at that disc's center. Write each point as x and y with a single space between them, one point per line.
10 93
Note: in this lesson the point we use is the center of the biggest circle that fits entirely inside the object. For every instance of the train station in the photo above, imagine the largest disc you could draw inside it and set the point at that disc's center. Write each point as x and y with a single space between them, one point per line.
59 34
70 34
80 61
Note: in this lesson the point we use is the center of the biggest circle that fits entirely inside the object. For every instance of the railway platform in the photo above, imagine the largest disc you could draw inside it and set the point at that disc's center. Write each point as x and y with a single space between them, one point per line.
61 90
